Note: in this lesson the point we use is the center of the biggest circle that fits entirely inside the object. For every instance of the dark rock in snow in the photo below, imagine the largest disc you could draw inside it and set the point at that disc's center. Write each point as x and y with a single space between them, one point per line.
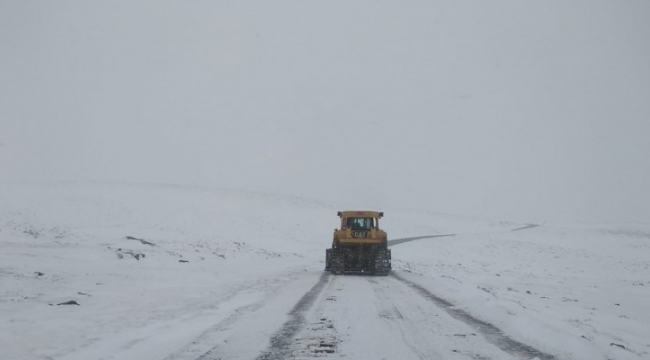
120 254
71 302
143 241
183 261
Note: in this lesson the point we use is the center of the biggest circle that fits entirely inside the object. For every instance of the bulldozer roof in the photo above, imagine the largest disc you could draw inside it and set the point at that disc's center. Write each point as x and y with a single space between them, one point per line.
355 213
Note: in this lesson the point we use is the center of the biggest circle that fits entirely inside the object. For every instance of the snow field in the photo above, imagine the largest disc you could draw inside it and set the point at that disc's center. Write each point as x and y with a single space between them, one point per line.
570 291
223 268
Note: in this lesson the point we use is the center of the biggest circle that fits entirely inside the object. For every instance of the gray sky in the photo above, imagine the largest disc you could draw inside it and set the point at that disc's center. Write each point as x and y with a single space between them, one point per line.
533 111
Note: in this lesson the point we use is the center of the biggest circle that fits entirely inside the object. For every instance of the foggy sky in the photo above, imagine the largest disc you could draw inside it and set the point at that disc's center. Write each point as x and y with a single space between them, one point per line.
530 111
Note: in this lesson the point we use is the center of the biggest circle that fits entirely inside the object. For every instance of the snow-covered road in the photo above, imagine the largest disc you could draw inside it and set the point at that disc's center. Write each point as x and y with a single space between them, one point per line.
358 317
228 274
361 317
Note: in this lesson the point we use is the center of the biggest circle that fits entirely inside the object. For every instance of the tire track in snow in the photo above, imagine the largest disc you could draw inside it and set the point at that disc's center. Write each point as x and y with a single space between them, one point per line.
491 333
528 226
282 341
403 240
391 314
199 349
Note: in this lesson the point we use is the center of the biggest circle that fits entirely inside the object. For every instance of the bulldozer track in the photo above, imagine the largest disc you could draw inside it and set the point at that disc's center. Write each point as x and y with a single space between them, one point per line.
282 340
391 314
207 346
490 332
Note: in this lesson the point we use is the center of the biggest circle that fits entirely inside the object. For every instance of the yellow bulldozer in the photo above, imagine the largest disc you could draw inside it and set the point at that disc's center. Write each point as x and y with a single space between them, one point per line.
359 246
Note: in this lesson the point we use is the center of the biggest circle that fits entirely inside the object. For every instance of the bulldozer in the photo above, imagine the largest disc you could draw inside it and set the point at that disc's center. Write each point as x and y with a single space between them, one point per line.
359 246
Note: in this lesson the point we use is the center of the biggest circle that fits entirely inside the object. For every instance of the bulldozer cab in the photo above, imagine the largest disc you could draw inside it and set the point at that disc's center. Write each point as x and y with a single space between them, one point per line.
360 220
359 223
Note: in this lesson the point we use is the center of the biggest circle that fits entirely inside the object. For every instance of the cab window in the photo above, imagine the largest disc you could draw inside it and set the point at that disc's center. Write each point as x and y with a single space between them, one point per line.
360 223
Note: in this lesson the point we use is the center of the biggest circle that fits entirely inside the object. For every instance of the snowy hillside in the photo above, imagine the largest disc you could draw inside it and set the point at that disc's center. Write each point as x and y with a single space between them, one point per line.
174 272
171 171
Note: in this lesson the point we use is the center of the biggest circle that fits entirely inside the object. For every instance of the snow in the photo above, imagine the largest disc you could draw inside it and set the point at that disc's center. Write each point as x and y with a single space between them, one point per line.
567 290
573 288
172 171
73 234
